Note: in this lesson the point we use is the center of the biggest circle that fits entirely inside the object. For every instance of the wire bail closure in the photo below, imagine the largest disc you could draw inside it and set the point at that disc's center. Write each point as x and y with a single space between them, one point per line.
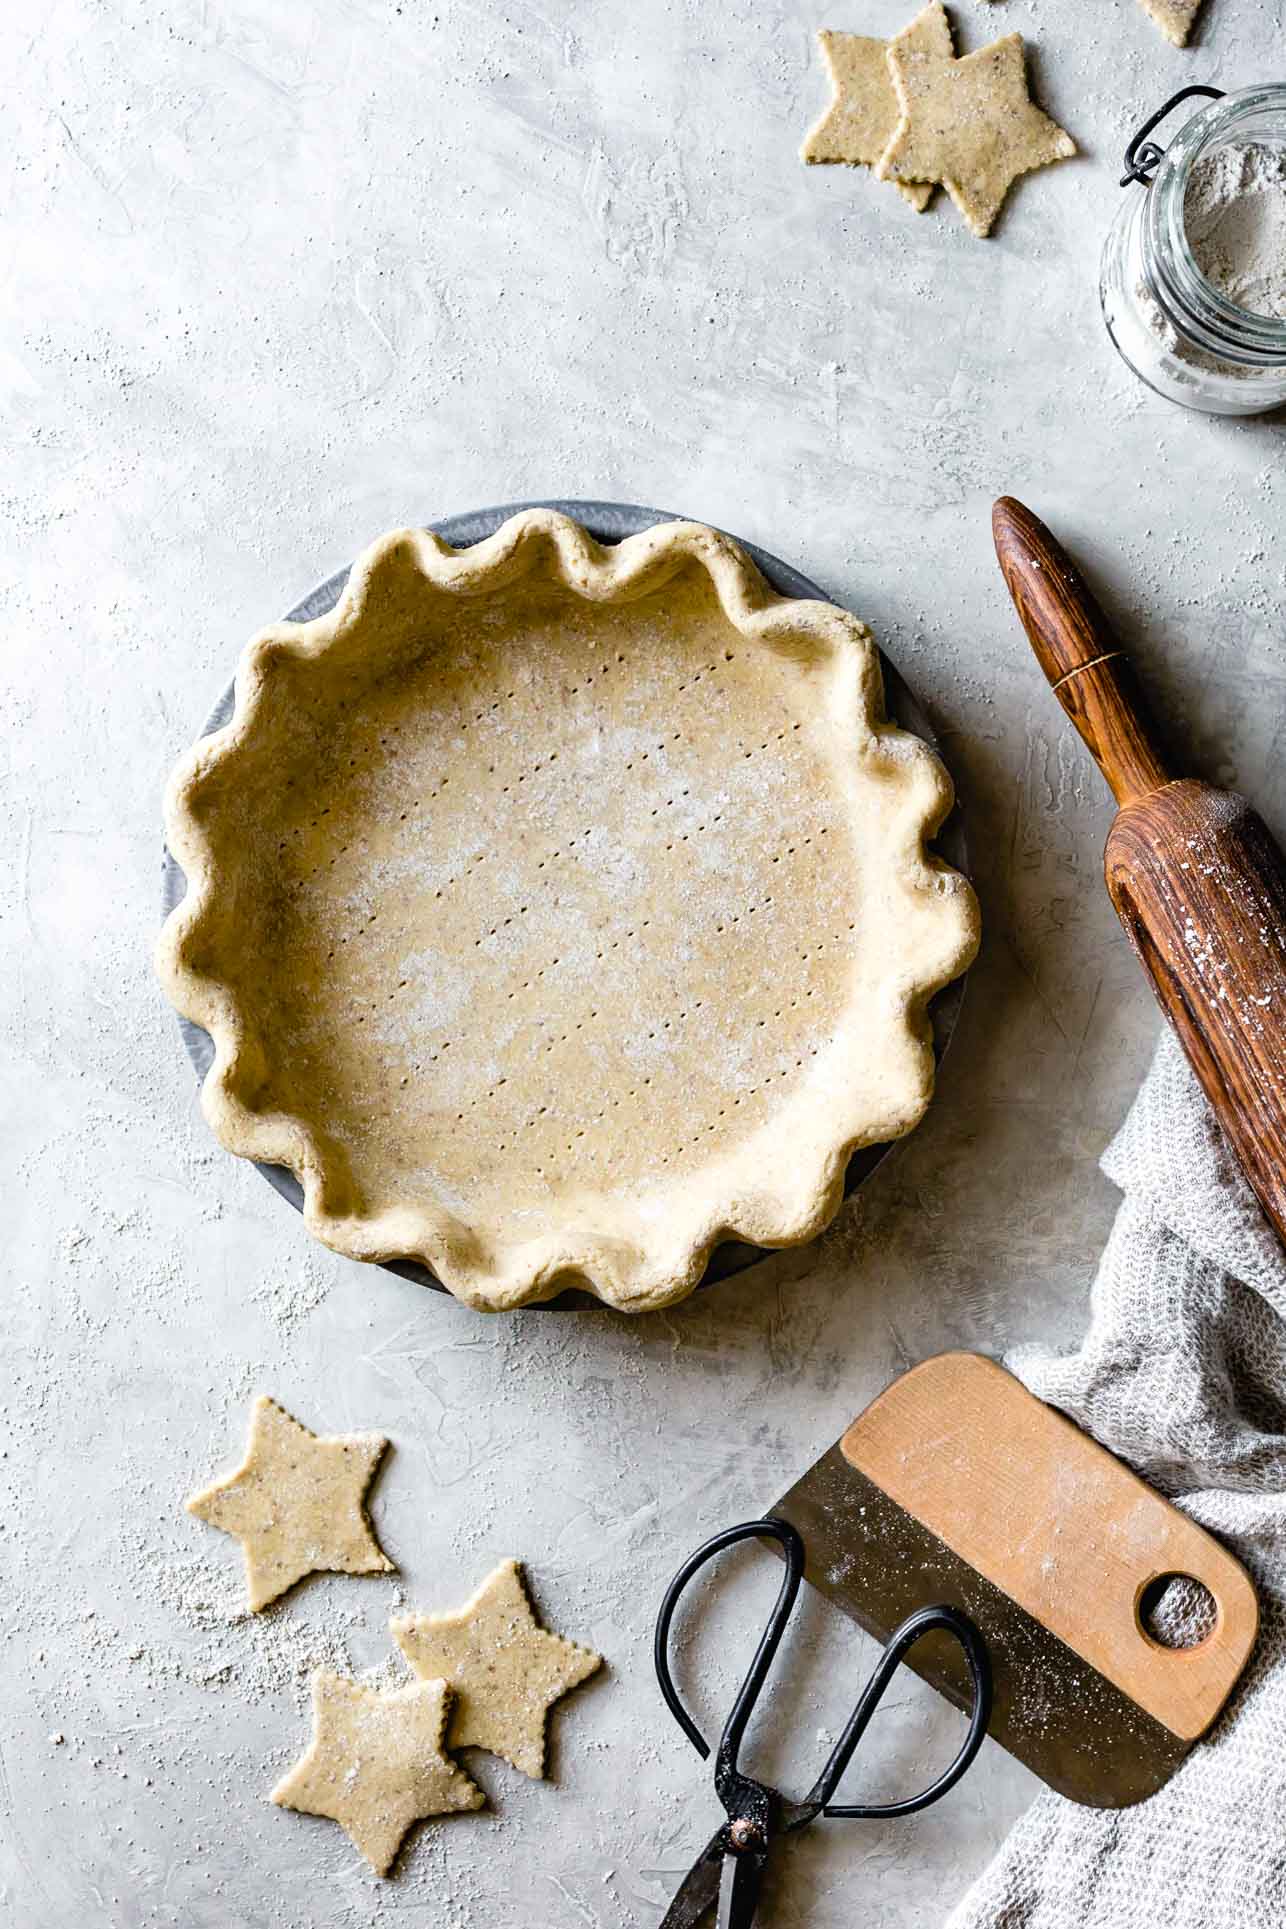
1142 155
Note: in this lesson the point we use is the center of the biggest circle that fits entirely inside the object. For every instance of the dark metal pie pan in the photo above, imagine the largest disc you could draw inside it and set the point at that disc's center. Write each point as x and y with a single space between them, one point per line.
608 522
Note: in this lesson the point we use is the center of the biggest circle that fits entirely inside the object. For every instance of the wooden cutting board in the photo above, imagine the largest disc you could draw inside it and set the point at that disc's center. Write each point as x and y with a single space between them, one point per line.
957 1486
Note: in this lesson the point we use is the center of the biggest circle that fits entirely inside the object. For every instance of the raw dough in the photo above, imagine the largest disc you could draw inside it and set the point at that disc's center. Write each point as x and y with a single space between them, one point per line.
1174 17
506 1670
296 1503
376 1764
968 123
558 911
863 114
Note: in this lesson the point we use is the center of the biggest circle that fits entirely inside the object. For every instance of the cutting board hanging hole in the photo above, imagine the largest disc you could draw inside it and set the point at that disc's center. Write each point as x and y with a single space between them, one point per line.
1177 1611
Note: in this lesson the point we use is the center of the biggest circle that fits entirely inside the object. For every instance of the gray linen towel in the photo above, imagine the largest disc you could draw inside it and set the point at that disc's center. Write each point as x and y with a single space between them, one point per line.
1183 1374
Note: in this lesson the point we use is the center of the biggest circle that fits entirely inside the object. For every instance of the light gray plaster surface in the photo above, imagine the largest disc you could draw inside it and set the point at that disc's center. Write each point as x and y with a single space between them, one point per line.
277 277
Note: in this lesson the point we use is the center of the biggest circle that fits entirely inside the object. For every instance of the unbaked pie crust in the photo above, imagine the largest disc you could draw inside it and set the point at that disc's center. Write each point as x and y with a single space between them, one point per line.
557 911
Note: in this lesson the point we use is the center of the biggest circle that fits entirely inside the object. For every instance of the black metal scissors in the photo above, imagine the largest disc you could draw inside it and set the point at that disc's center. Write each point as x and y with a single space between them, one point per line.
730 1868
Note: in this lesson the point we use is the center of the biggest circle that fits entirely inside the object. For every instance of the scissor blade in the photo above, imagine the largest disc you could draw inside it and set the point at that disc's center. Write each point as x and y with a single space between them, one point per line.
739 1884
699 1889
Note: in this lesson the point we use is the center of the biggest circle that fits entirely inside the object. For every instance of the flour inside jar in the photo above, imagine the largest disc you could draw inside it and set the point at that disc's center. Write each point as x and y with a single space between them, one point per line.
1234 213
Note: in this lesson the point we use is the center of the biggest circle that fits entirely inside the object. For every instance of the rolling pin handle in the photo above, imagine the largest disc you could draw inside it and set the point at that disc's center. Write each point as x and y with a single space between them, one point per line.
1077 649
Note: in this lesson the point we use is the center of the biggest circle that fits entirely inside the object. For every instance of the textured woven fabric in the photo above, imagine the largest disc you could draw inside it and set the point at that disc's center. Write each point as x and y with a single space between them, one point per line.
1183 1374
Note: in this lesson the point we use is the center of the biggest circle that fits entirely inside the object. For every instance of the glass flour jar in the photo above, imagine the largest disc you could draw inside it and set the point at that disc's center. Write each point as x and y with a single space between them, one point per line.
1170 324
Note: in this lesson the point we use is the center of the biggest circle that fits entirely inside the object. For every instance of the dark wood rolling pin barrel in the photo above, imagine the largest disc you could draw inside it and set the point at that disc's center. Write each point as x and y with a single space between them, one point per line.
1196 877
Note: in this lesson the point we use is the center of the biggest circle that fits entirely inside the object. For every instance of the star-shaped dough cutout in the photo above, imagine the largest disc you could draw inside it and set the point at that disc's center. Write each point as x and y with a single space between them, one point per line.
376 1763
970 123
295 1504
863 114
507 1671
1174 17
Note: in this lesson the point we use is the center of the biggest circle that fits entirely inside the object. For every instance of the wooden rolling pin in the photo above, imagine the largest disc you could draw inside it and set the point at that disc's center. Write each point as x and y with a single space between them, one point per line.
1195 875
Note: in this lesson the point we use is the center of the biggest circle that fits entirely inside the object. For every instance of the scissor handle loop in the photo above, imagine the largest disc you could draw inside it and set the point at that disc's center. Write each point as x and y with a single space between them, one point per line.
792 1547
923 1621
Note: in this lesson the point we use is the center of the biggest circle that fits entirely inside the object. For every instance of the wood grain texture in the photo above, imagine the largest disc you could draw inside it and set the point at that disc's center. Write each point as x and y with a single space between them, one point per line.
1196 878
1200 887
1079 653
1050 1518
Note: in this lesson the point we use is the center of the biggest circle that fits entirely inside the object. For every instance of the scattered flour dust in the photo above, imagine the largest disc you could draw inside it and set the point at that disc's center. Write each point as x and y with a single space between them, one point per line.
1234 212
292 1295
257 1654
216 1644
